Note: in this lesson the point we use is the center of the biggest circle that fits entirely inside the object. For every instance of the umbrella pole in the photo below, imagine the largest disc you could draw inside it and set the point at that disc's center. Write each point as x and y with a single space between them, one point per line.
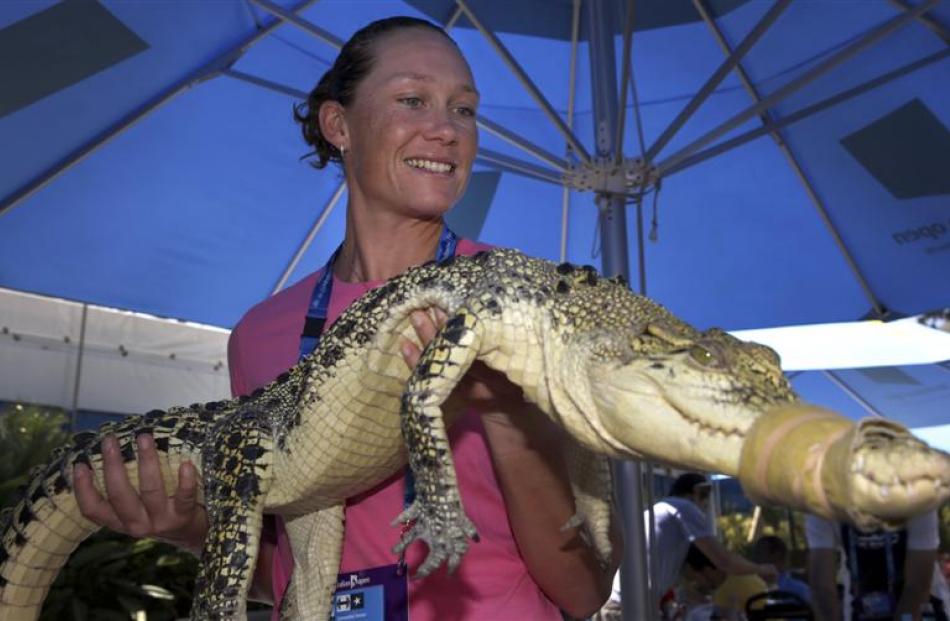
636 600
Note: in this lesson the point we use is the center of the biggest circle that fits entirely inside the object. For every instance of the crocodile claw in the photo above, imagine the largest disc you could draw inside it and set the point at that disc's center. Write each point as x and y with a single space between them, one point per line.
446 533
874 474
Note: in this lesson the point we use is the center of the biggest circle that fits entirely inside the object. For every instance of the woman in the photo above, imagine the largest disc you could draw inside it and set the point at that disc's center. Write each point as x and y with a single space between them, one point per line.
397 111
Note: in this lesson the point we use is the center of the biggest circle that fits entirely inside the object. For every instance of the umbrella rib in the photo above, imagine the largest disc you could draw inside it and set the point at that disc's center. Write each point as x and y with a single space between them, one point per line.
718 76
529 85
305 25
930 21
808 111
265 83
843 385
311 235
520 142
767 119
571 87
453 19
520 167
486 124
207 71
836 59
624 77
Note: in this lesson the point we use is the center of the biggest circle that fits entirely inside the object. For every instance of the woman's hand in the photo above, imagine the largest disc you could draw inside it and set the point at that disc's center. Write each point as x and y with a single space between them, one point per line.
482 388
150 511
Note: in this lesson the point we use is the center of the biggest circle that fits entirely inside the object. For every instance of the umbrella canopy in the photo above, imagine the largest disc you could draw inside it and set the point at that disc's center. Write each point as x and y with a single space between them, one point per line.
150 161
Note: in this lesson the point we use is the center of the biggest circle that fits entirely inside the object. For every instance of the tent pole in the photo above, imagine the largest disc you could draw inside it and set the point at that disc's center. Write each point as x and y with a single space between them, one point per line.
196 77
930 21
767 117
636 600
798 115
840 383
526 82
733 59
74 412
311 234
788 89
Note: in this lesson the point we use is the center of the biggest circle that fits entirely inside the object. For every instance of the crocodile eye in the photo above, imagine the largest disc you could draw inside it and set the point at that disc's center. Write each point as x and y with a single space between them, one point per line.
701 355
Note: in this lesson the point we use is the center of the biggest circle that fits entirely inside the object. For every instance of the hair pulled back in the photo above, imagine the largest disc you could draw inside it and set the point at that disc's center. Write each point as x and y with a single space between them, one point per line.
339 83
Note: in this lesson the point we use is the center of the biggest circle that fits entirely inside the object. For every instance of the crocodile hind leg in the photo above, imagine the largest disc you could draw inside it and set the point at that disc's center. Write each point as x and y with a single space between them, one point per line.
237 474
437 512
317 543
592 484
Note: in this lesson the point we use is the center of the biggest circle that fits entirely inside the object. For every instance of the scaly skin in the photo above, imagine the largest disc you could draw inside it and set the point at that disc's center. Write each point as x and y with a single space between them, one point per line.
623 376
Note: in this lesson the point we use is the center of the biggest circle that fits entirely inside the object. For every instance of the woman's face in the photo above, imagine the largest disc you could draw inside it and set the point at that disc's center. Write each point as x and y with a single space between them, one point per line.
411 126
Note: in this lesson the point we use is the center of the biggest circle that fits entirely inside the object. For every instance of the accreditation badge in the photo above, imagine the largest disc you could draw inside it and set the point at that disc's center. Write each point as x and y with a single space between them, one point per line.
375 594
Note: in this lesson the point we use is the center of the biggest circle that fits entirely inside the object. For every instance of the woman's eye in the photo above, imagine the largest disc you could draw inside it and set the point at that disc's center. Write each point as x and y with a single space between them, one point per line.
412 102
466 111
701 355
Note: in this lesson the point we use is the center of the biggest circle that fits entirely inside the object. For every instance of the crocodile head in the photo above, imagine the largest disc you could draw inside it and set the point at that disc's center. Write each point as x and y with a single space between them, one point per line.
693 394
709 401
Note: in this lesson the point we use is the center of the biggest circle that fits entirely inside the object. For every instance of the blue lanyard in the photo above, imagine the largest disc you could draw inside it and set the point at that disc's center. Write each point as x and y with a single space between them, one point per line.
323 290
317 318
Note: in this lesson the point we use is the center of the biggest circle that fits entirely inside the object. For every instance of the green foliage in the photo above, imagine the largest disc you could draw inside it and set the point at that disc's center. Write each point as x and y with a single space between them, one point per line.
28 433
111 576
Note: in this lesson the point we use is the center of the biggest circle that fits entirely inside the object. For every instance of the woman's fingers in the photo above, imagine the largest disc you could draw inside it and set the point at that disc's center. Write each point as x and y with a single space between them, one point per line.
91 503
426 328
151 484
123 497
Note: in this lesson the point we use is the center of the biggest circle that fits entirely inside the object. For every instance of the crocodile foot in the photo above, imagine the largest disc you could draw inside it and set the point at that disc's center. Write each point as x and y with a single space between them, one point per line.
446 530
874 474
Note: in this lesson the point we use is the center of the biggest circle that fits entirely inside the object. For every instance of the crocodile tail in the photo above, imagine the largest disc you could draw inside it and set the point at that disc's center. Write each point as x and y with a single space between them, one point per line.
37 535
40 530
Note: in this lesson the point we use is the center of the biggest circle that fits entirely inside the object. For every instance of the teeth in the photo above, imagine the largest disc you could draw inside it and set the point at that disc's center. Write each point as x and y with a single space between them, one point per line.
438 167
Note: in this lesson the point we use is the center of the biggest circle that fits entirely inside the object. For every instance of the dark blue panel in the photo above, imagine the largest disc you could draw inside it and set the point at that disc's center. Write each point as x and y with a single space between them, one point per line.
59 47
907 151
468 215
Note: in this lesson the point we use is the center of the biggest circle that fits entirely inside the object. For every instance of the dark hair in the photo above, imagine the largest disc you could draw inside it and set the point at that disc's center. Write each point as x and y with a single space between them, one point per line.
697 560
339 83
768 549
686 483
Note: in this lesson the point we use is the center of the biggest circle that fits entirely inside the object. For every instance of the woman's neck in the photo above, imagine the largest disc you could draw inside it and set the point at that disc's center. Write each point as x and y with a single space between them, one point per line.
379 248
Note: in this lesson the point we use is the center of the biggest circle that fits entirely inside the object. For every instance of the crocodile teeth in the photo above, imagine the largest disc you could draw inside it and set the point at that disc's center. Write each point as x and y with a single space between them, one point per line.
439 167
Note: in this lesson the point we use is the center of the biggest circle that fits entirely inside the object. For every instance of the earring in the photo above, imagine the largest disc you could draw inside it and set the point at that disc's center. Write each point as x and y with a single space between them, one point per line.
342 151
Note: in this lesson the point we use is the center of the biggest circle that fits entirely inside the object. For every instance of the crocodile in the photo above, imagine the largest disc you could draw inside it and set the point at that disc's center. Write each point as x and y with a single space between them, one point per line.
621 374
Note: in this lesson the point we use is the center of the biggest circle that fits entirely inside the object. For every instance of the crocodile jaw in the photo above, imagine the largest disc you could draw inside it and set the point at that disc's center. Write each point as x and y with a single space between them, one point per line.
637 417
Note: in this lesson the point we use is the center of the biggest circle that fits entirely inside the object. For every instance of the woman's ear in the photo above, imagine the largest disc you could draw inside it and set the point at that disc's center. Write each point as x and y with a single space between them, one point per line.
333 123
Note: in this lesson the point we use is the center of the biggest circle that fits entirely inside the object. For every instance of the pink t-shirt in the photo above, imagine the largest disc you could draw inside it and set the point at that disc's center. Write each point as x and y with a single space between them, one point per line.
492 581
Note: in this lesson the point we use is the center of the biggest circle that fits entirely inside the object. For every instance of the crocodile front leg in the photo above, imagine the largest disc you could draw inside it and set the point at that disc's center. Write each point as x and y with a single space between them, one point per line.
236 475
437 512
873 473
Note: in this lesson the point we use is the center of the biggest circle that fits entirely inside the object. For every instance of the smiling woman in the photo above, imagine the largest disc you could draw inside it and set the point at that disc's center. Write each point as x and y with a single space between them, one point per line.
397 112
